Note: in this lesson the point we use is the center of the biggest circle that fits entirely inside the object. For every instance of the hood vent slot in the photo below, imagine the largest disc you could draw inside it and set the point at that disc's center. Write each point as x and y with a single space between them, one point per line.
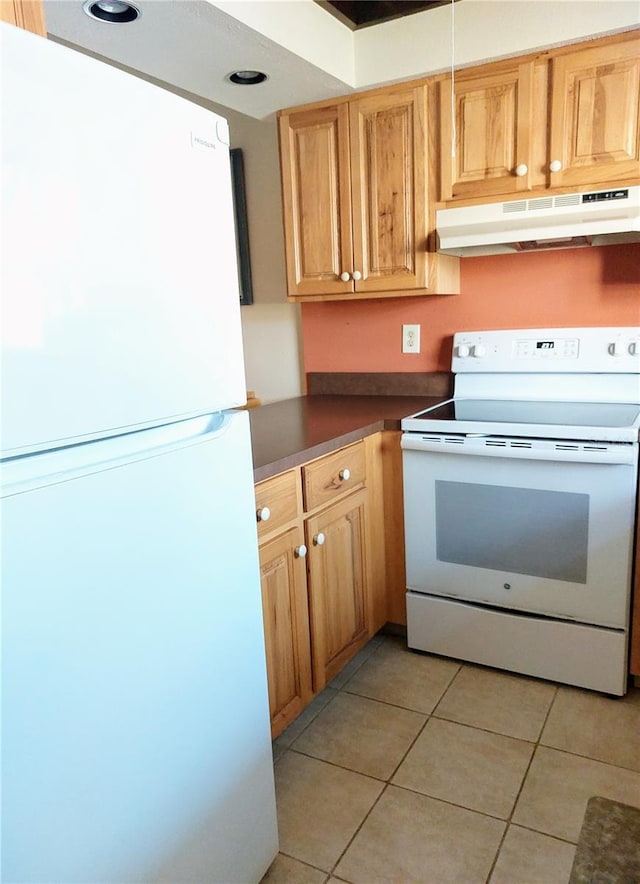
515 206
546 203
567 199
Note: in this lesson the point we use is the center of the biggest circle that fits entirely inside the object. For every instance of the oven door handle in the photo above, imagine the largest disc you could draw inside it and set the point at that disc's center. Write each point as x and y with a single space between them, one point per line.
524 449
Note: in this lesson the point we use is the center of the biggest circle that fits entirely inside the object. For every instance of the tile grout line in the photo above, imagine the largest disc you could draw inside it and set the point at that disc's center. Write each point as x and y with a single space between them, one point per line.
358 829
451 683
303 862
509 820
632 770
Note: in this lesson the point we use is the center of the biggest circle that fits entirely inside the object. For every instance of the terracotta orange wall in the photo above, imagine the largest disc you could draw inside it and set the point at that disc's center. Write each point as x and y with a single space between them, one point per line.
579 287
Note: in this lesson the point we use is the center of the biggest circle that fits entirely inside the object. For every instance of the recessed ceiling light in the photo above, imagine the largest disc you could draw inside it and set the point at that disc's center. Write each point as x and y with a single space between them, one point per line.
113 11
247 78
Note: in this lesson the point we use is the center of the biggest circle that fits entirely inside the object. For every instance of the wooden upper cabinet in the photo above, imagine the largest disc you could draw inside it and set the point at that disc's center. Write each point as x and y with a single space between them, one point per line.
388 173
27 14
566 120
314 152
595 105
487 124
355 196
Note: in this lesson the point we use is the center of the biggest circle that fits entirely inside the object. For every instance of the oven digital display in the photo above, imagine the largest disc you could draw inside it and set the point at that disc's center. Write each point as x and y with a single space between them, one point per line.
558 348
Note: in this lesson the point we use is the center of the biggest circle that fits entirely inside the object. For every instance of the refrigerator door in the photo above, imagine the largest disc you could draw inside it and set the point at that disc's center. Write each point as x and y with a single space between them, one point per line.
119 293
136 743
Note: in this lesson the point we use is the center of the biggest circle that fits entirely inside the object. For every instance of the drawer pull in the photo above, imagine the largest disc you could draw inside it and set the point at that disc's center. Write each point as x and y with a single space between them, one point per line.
300 552
263 514
319 539
345 474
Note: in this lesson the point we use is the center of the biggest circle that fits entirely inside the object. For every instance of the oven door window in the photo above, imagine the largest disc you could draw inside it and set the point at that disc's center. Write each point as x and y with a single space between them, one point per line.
504 528
546 537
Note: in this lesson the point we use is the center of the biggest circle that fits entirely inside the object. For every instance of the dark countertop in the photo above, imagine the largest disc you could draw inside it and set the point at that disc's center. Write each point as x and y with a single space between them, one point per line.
288 433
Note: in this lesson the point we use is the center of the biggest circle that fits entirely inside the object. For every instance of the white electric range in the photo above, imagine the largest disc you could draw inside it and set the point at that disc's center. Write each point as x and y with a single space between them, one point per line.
520 501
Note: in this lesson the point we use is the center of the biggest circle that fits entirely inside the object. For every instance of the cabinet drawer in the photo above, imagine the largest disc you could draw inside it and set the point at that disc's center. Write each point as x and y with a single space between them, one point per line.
333 475
280 496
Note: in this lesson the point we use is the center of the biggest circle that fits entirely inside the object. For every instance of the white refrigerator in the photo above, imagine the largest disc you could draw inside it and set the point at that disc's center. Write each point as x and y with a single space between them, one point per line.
135 723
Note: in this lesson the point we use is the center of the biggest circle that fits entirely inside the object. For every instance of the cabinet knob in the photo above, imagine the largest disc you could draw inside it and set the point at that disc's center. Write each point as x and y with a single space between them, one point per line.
300 552
345 277
555 166
345 474
319 539
521 170
356 275
263 514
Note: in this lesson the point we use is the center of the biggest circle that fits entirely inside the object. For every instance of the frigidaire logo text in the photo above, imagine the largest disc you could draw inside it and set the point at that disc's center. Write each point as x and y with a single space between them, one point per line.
202 142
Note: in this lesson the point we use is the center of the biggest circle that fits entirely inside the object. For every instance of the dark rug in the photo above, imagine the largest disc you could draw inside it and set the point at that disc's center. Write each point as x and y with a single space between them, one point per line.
608 850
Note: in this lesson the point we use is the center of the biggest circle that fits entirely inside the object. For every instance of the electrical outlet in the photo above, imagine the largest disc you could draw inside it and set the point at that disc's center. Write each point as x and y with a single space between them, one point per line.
410 338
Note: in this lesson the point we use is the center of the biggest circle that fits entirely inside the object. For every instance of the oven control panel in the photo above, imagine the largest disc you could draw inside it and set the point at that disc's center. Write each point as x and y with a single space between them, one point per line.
558 350
555 348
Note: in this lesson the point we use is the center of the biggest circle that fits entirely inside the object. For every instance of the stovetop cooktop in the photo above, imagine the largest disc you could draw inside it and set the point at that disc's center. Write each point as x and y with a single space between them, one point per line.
594 414
602 421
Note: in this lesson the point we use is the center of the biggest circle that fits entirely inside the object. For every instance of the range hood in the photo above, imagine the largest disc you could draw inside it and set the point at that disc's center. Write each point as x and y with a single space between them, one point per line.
568 221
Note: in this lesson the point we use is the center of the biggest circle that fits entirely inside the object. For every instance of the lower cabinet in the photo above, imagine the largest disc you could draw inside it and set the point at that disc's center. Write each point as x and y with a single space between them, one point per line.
286 626
321 536
338 597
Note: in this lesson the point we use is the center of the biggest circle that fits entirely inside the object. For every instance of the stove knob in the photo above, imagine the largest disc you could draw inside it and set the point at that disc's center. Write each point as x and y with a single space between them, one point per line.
479 351
634 348
616 348
463 350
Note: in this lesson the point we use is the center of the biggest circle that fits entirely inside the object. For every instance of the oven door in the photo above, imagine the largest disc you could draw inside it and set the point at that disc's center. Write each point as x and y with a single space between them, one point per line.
542 526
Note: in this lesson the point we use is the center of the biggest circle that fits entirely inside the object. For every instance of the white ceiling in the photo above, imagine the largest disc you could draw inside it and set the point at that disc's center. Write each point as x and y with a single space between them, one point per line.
194 46
308 54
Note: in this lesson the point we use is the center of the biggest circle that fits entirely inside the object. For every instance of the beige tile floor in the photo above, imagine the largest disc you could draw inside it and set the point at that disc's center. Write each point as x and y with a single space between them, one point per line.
409 767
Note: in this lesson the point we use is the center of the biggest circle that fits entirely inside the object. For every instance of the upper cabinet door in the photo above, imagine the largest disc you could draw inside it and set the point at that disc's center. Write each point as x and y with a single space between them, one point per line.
388 172
489 123
594 116
316 192
27 14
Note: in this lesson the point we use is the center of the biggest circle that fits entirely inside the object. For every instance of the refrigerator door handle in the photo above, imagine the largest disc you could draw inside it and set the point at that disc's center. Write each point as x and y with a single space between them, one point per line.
26 473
